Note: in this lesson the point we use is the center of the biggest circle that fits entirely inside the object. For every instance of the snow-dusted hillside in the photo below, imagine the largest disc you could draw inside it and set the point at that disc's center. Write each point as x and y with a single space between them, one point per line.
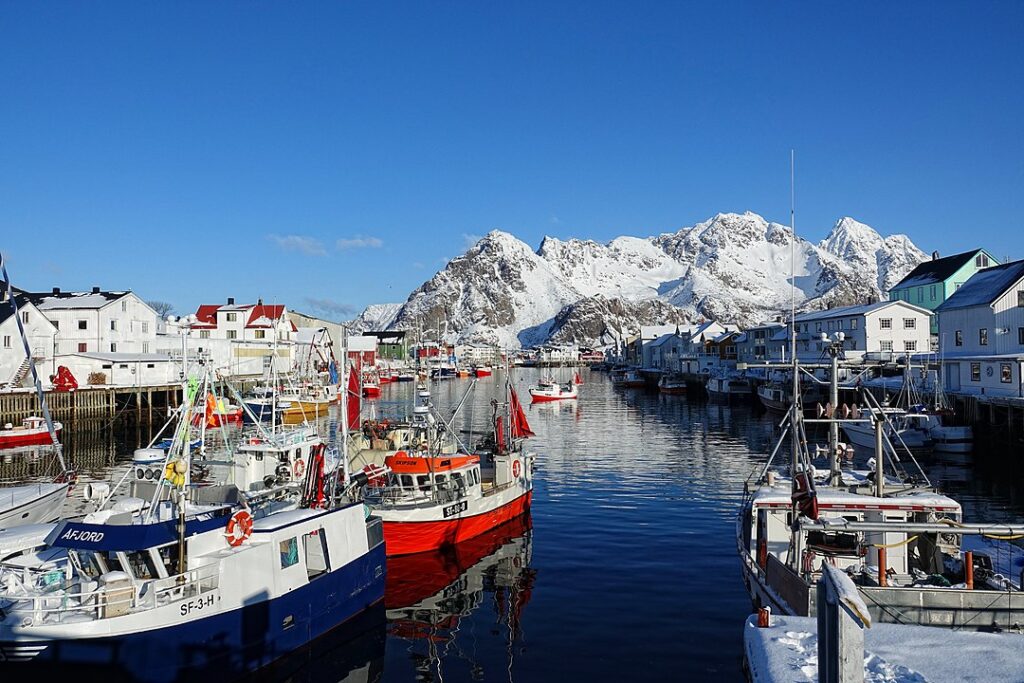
734 267
376 317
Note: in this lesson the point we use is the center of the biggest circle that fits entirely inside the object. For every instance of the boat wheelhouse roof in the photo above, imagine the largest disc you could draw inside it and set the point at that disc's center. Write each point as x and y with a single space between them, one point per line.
779 496
286 518
402 463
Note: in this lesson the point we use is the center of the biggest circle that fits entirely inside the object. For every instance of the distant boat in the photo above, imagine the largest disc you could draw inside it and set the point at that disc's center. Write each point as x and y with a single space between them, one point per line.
550 390
482 371
633 379
726 388
672 384
32 432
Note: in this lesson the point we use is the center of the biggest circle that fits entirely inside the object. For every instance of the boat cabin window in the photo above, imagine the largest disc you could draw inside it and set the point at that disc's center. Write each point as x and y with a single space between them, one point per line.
458 480
289 552
88 562
440 478
317 561
423 481
407 481
141 564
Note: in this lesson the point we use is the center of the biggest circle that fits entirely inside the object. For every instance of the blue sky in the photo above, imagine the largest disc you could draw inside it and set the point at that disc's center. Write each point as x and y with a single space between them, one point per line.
330 155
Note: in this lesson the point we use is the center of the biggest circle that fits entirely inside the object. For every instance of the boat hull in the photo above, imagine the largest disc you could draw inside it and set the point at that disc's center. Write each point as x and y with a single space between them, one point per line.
227 644
541 397
407 537
371 391
22 505
29 437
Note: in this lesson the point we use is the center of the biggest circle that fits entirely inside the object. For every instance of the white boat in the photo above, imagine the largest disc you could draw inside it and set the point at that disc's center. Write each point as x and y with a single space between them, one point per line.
727 387
550 390
31 503
901 428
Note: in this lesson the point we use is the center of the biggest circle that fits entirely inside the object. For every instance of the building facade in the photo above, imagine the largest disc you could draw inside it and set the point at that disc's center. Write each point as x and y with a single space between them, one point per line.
932 282
880 331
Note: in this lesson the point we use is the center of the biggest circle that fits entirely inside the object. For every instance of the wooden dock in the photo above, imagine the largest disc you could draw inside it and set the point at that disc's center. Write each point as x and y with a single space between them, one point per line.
141 403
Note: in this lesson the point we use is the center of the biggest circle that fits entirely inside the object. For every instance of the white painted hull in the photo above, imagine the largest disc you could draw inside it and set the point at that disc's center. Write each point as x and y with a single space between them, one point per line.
31 504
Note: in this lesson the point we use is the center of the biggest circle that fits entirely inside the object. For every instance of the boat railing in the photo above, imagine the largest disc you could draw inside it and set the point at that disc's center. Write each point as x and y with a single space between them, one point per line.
119 598
389 496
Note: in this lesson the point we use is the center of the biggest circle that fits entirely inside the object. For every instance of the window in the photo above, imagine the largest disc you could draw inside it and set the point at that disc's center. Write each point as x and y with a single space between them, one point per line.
83 347
113 326
315 545
885 323
124 305
232 334
831 325
886 345
817 327
839 324
983 336
805 327
1005 373
204 334
1020 336
853 323
24 317
959 337
145 347
975 372
1020 299
289 552
113 347
261 334
909 345
7 341
123 366
981 261
150 365
145 328
909 324
232 317
83 324
56 324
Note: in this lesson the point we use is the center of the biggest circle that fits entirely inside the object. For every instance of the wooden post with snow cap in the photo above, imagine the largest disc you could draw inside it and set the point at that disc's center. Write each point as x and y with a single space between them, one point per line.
842 618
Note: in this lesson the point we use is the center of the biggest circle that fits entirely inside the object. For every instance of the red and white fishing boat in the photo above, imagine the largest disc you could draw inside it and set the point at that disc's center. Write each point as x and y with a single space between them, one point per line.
483 371
371 385
550 390
32 432
429 501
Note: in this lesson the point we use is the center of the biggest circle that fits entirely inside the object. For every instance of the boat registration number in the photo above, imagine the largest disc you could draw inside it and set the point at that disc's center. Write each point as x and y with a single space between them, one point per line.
195 605
455 508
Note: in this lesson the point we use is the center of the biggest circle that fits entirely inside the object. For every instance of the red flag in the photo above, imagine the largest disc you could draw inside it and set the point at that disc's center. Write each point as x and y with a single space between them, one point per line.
520 427
354 407
577 379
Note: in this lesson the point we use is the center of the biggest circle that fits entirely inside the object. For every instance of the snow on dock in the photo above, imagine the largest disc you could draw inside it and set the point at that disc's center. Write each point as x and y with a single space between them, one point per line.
787 652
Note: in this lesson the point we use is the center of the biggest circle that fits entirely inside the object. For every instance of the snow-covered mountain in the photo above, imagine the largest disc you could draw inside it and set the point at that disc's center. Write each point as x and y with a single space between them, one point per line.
734 268
376 317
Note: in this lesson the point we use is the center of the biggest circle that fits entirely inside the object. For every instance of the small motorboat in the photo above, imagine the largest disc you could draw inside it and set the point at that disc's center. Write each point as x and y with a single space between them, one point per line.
727 388
633 380
32 432
483 371
550 390
673 384
407 376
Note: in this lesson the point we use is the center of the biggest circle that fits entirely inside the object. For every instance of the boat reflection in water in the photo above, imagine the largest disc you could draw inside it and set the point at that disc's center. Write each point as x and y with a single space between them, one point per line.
429 596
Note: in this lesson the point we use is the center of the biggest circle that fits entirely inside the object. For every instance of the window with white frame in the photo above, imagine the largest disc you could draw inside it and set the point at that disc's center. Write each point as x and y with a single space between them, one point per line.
910 323
975 372
1020 298
113 347
1005 373
83 324
124 305
885 345
204 334
983 336
145 328
853 323
232 317
113 326
885 323
1020 336
910 345
232 334
261 334
981 261
145 347
24 317
7 341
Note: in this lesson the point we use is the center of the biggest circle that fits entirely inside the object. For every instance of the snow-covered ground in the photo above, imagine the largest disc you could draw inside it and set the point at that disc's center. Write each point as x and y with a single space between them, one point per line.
787 652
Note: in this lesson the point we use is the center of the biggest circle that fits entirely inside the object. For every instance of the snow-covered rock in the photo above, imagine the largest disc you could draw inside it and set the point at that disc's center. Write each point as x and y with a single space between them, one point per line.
375 317
736 268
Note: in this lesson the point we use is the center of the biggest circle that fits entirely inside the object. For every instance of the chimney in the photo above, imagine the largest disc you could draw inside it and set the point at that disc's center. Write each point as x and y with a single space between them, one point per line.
95 290
56 290
935 256
259 302
231 301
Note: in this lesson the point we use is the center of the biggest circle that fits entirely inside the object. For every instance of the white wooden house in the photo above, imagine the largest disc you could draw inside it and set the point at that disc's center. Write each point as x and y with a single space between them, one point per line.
981 333
881 331
98 321
14 366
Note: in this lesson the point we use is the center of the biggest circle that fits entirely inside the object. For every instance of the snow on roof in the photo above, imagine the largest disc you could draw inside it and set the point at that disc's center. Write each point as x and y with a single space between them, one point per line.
362 343
664 339
655 331
936 270
50 301
986 286
849 311
263 316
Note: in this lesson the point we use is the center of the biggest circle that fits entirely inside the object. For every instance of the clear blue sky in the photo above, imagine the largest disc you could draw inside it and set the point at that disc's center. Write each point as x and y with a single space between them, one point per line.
341 151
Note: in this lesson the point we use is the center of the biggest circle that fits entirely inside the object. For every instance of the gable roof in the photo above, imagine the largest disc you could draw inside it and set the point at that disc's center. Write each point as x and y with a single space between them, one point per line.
861 309
985 286
938 270
58 300
23 301
263 315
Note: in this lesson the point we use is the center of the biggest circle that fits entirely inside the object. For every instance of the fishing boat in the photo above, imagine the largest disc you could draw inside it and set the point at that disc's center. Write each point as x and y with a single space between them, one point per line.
672 384
777 396
482 371
726 387
32 431
407 376
371 388
632 379
900 427
428 500
550 390
32 503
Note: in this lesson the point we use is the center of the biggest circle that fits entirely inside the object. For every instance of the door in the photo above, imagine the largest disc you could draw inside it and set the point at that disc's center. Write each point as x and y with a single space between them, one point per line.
952 376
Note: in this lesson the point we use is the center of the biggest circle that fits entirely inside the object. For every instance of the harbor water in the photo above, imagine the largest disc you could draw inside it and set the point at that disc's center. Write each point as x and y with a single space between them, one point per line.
625 570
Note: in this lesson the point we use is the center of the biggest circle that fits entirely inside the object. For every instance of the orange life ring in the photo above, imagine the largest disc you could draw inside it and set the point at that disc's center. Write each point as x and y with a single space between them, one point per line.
515 468
299 468
239 528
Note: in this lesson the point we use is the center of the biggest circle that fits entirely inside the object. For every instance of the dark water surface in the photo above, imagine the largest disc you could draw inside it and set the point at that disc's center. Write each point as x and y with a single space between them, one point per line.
629 571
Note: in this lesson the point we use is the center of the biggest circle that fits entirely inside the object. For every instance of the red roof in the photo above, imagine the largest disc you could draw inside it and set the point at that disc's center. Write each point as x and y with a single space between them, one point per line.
270 312
207 313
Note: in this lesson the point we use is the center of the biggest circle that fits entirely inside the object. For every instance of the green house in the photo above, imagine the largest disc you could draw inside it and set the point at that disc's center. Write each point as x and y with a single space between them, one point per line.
934 281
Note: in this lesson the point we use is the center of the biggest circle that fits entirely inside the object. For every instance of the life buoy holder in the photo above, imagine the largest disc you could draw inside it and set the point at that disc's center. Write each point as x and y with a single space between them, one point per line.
299 467
516 468
239 528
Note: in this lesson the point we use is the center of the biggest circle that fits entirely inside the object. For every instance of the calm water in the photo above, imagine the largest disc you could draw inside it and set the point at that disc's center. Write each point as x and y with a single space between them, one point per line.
627 567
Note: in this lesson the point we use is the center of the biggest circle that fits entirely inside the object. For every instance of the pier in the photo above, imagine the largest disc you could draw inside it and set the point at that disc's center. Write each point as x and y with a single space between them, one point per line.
139 403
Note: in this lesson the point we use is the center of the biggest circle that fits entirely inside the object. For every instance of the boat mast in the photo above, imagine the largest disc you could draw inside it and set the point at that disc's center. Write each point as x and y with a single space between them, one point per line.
794 404
344 409
58 448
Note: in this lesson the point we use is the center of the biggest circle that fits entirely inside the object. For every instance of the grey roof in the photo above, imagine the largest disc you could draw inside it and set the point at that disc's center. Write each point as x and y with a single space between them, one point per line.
938 270
21 298
665 338
82 300
985 286
848 311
